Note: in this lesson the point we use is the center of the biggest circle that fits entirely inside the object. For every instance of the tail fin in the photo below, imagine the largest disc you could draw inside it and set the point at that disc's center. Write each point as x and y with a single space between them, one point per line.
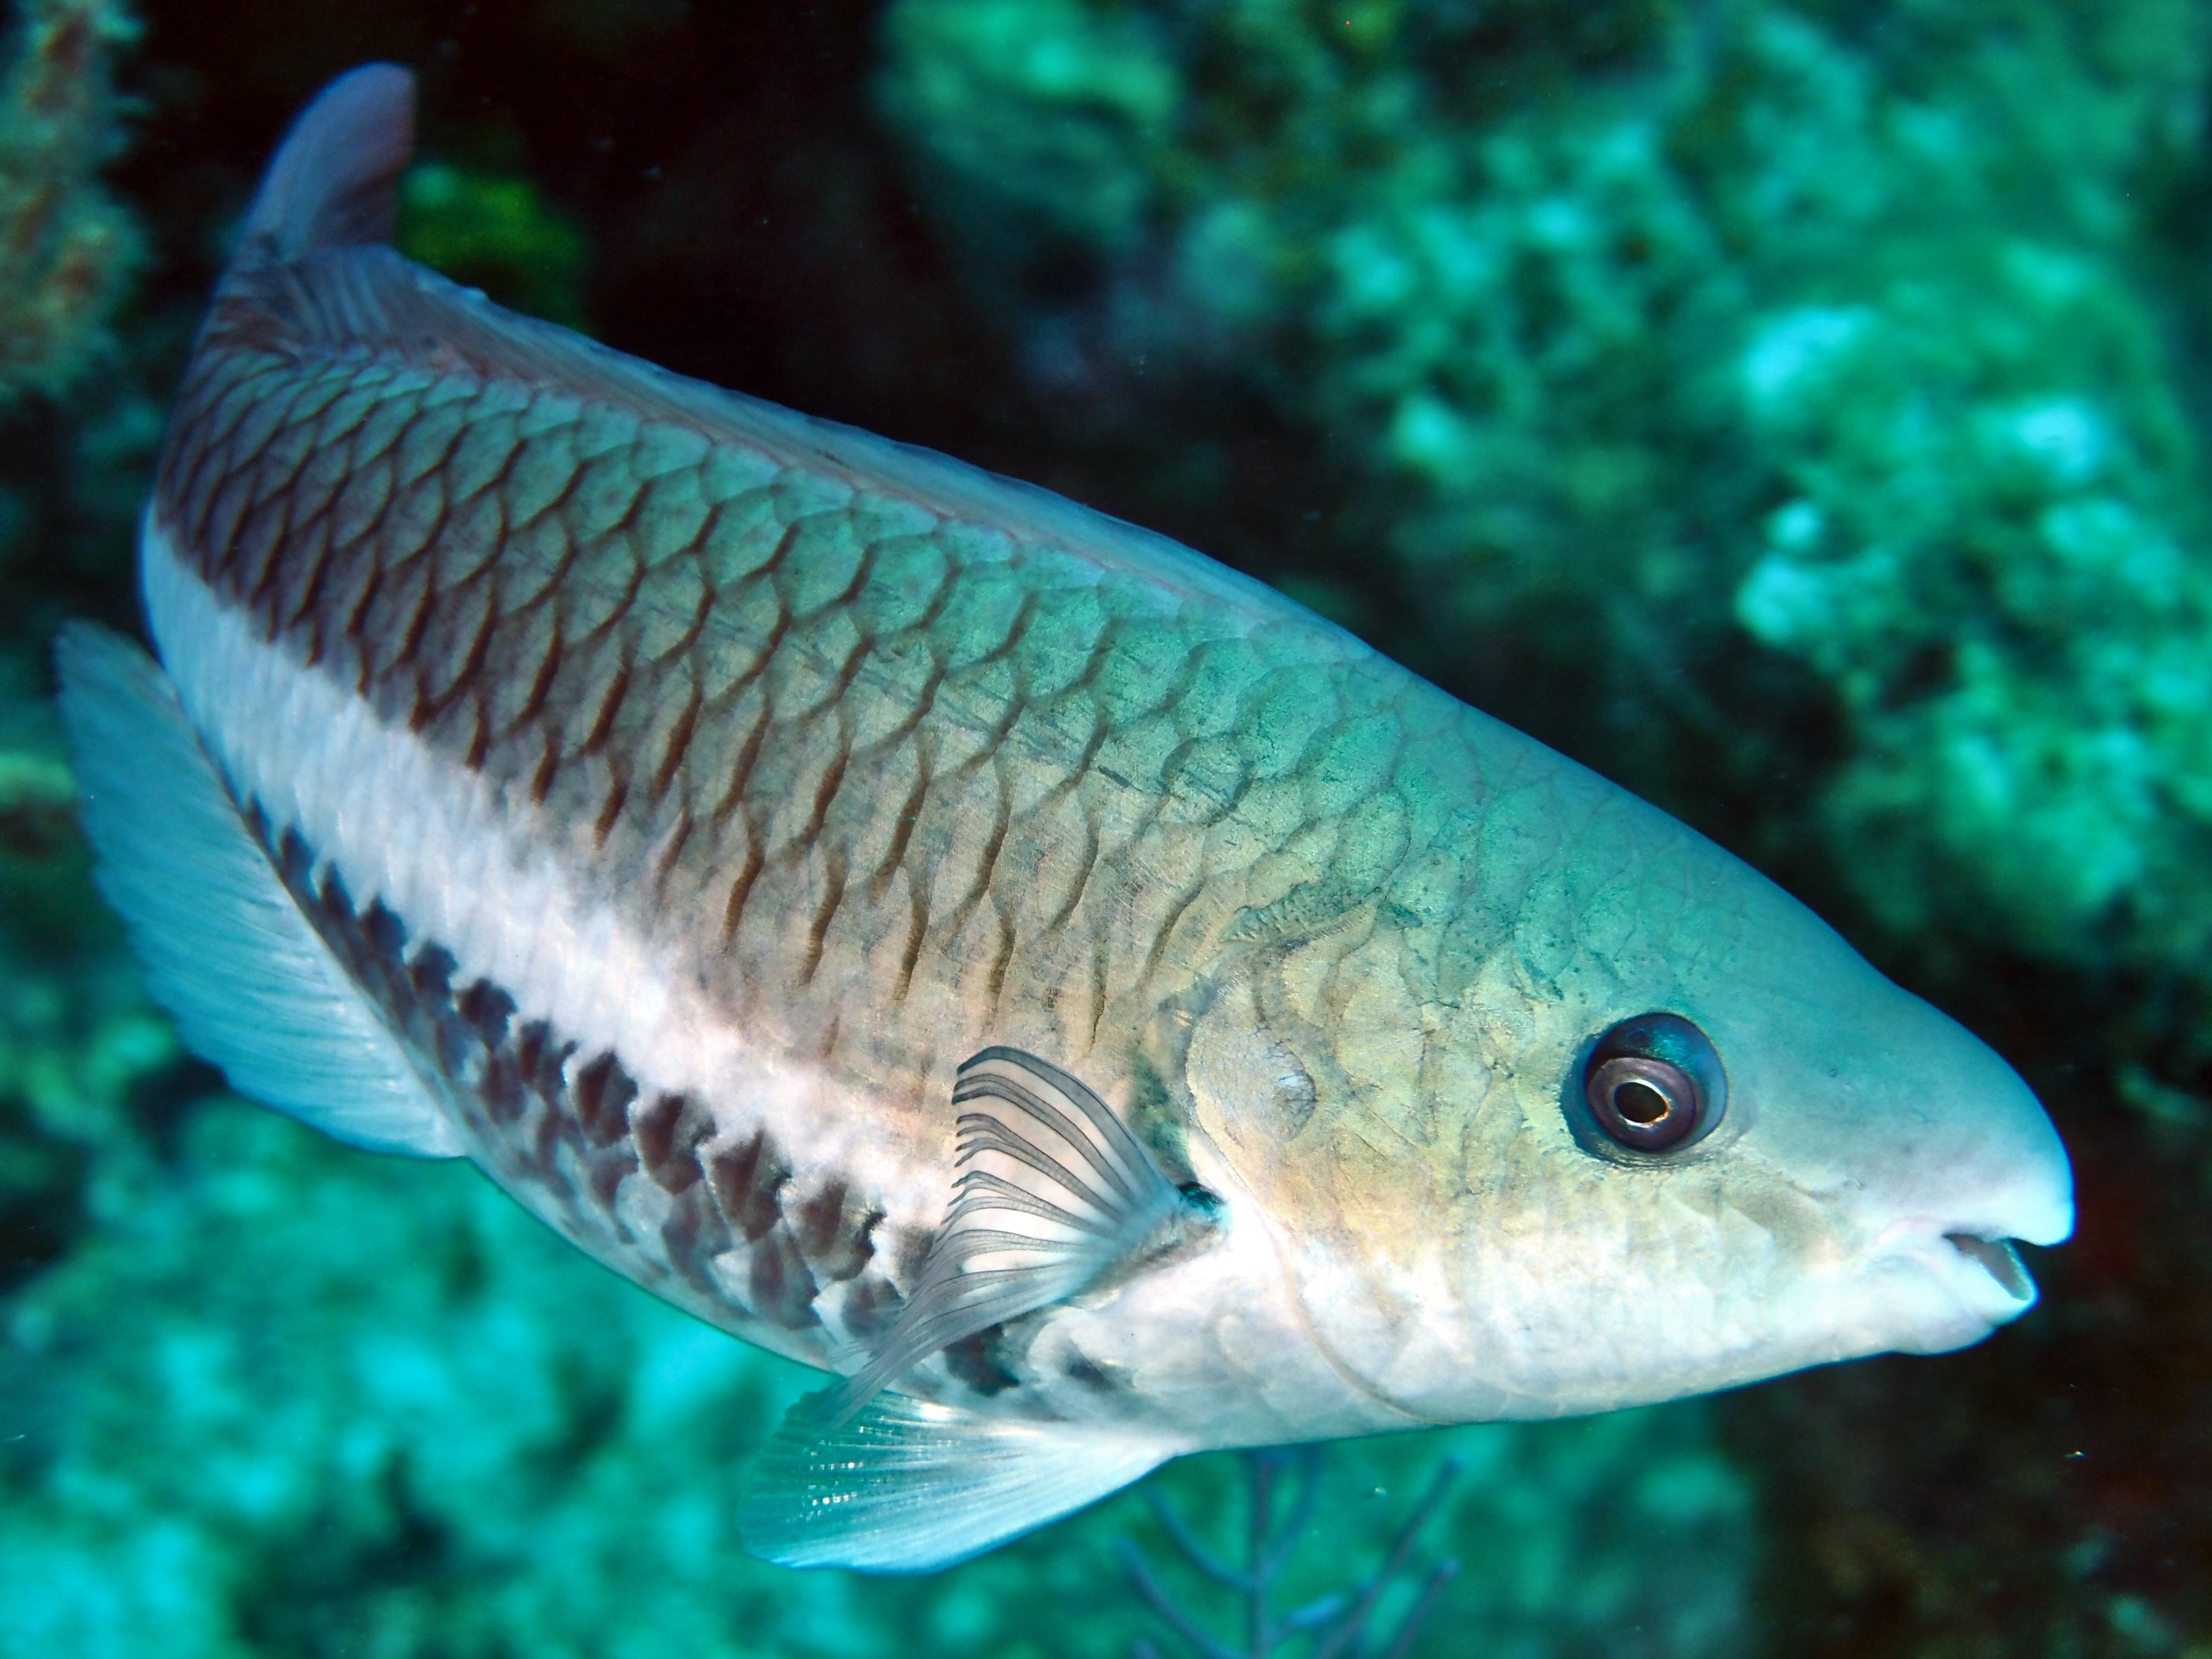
226 948
331 185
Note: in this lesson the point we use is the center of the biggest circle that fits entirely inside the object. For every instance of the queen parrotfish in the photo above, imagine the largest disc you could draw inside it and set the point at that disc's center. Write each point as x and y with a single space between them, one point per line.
1093 1007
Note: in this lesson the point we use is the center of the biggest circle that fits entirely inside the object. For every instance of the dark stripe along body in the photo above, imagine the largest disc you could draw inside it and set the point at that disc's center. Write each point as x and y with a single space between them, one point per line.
889 779
569 1128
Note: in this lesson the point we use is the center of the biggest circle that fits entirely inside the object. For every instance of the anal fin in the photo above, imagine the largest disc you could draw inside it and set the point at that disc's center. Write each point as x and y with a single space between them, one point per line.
225 948
909 1486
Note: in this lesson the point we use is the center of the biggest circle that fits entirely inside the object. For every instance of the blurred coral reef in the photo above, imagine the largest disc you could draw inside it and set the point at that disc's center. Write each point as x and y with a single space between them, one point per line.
67 249
73 1023
1792 407
496 232
1644 328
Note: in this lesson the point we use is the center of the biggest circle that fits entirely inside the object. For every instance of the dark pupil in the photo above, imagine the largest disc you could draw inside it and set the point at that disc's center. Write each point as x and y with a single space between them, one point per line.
1640 1103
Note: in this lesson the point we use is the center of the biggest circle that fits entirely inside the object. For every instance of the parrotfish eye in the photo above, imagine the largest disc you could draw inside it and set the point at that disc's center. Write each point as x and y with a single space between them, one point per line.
1654 1082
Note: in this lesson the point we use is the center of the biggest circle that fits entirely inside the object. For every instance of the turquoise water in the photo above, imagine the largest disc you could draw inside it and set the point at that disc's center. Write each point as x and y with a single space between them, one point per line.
1794 410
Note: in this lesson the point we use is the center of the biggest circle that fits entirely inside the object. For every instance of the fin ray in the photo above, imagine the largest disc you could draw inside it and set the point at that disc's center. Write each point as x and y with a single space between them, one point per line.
332 182
226 950
910 1485
1072 1195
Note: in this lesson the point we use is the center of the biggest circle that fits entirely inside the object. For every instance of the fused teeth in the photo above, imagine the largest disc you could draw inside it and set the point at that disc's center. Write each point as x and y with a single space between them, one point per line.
2001 1260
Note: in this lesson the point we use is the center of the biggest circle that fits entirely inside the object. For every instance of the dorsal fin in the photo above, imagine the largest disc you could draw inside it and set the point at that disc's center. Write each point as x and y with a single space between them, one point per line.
308 280
333 181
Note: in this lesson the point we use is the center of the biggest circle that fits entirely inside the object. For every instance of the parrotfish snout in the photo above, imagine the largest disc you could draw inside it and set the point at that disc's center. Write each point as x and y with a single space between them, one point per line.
1970 1166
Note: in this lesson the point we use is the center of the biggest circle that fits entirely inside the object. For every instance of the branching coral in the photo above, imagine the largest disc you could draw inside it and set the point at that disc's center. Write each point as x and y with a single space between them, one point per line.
1339 1622
67 250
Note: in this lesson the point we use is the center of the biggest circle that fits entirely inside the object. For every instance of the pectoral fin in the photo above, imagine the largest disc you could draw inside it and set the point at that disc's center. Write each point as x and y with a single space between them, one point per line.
1054 1192
909 1486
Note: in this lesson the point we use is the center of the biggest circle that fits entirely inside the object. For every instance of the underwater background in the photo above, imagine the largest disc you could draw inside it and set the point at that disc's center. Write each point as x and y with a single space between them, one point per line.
1796 410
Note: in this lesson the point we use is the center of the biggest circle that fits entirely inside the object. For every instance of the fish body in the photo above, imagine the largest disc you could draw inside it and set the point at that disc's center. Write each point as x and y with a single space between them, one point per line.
1094 1007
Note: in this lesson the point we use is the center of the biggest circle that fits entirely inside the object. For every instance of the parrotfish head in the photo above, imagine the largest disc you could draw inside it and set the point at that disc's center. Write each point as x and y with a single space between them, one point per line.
1614 1119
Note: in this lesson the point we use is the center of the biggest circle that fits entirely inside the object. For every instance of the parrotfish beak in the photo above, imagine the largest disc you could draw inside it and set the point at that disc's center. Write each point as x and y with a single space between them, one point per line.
1968 1177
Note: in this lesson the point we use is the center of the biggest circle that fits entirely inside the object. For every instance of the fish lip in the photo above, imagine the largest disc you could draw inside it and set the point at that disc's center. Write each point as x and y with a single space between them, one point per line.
1973 1273
1979 1278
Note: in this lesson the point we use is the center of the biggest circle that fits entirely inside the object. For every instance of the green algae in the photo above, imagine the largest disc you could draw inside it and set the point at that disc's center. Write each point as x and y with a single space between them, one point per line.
498 232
